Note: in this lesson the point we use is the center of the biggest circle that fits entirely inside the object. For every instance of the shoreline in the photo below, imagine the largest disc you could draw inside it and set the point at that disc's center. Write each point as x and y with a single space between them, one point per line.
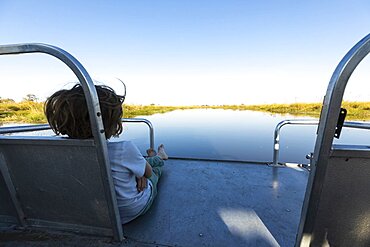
32 112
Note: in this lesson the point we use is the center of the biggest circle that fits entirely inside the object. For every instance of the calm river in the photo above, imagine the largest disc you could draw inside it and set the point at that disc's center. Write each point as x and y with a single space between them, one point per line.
230 135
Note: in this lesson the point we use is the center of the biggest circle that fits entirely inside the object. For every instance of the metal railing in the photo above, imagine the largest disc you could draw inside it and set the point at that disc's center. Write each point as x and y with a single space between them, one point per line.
147 122
97 127
276 146
24 128
39 127
325 136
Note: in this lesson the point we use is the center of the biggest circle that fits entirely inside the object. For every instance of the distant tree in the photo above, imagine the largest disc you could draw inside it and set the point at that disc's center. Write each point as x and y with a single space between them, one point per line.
30 97
6 100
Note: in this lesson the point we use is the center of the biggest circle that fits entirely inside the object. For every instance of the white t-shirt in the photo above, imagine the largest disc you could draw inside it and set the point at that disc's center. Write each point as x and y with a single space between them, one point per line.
127 163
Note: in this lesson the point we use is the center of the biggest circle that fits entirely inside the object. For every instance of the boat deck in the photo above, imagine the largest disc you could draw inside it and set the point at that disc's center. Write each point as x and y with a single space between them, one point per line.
203 203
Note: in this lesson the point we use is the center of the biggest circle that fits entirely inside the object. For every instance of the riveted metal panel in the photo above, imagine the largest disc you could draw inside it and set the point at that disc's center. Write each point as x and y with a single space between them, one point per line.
343 215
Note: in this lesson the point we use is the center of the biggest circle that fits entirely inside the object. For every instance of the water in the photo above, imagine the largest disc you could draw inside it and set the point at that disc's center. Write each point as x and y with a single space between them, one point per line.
230 135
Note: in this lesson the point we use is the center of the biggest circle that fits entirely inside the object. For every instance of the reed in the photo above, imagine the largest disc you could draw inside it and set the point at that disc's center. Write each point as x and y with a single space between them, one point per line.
22 112
355 110
32 112
130 111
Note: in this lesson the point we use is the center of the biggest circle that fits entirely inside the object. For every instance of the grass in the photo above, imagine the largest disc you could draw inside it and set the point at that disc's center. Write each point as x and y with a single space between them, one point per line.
32 112
131 111
355 110
23 112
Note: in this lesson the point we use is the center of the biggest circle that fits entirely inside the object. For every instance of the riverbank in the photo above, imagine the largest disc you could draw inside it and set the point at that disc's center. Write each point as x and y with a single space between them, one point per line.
32 112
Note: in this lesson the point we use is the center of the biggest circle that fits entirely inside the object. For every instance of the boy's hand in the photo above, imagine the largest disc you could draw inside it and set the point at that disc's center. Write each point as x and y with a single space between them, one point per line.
141 183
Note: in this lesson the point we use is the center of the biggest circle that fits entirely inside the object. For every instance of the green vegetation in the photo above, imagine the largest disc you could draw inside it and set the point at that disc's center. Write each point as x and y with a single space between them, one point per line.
131 111
29 111
23 112
355 110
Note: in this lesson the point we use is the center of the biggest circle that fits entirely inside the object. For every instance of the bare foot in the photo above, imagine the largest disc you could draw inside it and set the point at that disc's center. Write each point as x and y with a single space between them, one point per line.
162 153
151 152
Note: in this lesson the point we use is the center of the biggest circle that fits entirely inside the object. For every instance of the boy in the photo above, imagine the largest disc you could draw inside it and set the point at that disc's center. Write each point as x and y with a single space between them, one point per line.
135 178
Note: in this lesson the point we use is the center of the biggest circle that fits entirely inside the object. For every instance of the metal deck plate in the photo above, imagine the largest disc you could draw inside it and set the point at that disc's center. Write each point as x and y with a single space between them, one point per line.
207 204
223 204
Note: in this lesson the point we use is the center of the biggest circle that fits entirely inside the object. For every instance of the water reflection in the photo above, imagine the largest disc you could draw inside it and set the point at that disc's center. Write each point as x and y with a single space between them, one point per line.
230 135
275 180
224 134
233 135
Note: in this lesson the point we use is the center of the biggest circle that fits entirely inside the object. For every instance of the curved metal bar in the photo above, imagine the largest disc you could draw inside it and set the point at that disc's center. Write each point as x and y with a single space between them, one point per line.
77 68
94 112
147 122
334 96
328 120
38 127
276 147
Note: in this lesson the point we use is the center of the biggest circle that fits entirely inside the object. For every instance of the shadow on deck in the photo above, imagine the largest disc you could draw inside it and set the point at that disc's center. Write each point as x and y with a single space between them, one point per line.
205 204
223 204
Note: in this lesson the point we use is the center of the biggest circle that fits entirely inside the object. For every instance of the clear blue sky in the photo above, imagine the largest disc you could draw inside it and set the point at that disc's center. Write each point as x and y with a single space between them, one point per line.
188 52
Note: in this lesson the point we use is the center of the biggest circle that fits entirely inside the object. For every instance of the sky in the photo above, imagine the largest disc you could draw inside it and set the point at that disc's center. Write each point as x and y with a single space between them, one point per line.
188 52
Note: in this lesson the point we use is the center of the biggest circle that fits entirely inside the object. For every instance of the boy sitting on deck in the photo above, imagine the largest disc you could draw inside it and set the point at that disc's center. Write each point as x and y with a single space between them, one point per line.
135 178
